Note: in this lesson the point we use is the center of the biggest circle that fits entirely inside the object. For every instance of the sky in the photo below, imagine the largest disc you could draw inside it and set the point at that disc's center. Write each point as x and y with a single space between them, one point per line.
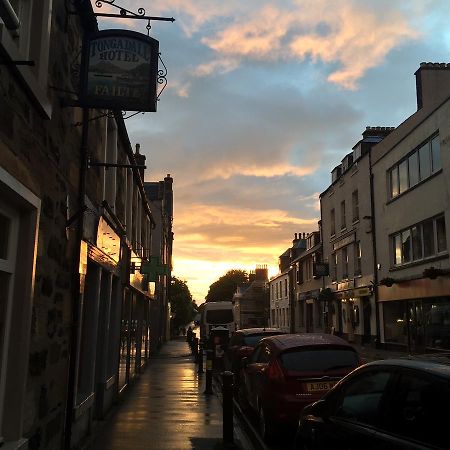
263 100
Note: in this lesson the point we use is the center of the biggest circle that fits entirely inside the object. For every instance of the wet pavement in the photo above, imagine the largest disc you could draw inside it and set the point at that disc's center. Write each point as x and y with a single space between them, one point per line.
166 409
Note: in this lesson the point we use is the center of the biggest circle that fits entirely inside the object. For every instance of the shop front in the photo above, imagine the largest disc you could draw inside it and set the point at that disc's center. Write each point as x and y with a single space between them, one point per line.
352 314
418 323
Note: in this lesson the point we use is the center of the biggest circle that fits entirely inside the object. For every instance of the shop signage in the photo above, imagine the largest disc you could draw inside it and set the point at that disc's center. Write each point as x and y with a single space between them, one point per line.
119 71
320 269
343 242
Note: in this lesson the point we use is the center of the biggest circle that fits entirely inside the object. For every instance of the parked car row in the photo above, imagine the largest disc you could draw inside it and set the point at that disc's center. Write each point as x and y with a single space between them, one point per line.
318 385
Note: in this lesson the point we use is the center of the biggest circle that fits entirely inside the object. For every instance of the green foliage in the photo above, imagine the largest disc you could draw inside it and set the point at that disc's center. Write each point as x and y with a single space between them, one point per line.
223 289
181 303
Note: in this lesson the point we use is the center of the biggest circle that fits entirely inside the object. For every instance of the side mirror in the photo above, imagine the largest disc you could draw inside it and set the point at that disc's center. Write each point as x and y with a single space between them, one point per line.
318 409
244 362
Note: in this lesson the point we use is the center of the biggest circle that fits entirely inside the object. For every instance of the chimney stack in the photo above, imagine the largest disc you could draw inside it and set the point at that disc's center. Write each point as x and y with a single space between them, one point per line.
140 161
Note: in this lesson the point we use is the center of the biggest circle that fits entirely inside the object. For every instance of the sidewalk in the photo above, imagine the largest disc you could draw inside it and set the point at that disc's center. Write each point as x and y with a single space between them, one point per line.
166 409
369 353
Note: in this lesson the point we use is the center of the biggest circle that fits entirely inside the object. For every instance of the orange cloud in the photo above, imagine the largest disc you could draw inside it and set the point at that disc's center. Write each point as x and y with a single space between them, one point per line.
348 33
254 170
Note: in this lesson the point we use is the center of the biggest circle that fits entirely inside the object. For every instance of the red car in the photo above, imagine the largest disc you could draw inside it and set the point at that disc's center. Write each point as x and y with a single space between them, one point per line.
242 343
287 372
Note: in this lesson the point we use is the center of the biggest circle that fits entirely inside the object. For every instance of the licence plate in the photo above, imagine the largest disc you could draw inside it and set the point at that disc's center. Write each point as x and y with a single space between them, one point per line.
320 386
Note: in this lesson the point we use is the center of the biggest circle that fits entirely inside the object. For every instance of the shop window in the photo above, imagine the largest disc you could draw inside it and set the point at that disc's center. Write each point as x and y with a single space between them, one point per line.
437 323
395 322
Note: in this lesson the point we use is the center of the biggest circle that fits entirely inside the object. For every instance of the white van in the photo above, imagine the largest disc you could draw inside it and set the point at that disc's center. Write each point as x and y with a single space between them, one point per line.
216 315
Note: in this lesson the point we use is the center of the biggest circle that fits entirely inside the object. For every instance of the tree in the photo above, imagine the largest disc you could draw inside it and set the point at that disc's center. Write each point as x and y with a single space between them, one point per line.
181 302
224 288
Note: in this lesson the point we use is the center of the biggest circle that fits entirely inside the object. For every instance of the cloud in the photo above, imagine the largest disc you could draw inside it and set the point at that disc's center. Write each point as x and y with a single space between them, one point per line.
226 171
350 34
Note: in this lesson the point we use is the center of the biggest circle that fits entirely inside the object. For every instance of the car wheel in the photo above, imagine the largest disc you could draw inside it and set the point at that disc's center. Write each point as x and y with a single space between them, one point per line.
265 429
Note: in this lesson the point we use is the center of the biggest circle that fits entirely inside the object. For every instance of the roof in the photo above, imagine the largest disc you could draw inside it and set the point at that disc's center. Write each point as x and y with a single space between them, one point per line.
437 364
287 341
249 331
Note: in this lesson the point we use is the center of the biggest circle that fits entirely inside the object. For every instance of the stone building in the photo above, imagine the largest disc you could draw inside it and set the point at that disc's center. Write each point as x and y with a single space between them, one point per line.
160 197
309 309
251 300
74 305
281 286
411 169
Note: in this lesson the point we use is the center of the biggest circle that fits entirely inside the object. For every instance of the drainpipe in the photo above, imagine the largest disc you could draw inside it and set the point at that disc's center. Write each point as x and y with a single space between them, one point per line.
374 249
73 350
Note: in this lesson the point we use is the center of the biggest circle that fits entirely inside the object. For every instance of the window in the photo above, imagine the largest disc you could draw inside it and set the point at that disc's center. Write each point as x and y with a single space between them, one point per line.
355 206
418 166
345 262
419 409
357 247
420 241
436 154
318 360
343 221
28 39
333 222
413 162
333 268
19 210
362 398
285 287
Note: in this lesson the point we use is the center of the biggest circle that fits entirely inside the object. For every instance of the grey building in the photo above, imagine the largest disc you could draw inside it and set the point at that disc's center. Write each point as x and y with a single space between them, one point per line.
348 242
411 170
309 312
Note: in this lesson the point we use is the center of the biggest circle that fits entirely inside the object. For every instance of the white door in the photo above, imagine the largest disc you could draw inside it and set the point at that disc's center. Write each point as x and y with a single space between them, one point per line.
9 231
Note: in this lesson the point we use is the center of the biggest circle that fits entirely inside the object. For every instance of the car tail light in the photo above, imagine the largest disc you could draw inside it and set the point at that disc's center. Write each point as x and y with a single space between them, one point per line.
274 371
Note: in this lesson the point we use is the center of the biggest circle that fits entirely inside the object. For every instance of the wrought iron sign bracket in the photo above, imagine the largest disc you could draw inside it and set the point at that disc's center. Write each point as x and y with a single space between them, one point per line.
17 63
121 166
127 14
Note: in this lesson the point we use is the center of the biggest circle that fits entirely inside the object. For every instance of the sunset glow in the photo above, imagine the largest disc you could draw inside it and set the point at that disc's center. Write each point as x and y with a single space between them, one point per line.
263 100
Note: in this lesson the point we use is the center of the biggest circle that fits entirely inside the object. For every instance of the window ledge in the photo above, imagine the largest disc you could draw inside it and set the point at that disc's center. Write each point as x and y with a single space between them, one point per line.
20 444
419 262
82 407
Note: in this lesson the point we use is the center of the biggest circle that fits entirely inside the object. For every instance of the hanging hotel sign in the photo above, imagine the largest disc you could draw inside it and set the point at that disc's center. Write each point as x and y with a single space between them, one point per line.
119 71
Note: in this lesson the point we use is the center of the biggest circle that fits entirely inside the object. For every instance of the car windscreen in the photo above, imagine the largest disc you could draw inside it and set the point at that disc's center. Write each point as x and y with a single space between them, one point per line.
319 360
219 316
252 340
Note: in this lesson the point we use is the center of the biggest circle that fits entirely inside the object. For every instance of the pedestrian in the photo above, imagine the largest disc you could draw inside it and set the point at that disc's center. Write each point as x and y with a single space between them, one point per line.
189 335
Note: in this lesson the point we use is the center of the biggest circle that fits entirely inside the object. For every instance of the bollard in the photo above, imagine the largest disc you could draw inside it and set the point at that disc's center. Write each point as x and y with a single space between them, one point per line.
200 358
227 396
191 343
208 379
195 348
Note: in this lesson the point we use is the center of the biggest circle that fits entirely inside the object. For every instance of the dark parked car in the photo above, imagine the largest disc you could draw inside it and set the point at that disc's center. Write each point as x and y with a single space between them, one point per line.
287 372
243 342
393 404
